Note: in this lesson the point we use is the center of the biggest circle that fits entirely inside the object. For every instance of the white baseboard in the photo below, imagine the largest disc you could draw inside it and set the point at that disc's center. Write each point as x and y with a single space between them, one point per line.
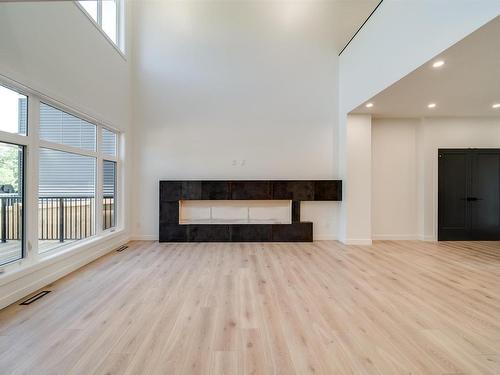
39 275
396 237
428 238
403 237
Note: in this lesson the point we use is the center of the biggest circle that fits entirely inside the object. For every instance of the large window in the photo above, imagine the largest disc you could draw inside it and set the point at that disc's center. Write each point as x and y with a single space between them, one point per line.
109 173
59 174
107 15
109 194
61 127
11 202
108 142
13 131
109 20
67 179
66 198
13 111
90 7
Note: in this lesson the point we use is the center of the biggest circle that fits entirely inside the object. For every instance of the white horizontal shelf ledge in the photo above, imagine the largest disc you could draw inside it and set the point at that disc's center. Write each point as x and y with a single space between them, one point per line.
233 221
235 212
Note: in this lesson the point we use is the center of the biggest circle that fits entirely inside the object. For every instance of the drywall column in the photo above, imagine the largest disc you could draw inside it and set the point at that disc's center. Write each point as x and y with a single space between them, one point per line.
394 179
356 226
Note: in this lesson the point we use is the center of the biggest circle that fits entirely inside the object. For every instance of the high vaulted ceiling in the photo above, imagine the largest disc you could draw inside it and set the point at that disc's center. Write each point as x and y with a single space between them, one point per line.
468 84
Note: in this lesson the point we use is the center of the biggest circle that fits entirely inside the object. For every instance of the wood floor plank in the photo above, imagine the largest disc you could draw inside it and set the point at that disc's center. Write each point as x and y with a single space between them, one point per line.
406 307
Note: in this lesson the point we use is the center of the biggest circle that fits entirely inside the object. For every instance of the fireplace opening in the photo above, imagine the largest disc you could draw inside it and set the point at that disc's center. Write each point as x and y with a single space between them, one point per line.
235 212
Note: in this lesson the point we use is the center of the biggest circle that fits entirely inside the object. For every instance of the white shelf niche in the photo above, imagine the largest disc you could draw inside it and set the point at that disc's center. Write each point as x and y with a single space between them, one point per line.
235 212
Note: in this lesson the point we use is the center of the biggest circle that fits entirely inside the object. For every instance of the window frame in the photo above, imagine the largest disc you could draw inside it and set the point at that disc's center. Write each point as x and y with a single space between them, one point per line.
24 141
119 45
115 197
94 159
23 201
81 149
102 156
20 91
31 144
116 142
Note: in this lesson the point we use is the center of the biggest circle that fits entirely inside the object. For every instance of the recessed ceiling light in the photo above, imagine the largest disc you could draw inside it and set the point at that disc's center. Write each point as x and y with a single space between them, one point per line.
496 105
431 105
369 105
438 64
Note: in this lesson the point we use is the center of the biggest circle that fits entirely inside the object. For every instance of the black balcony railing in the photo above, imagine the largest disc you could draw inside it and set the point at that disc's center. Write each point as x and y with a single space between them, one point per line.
65 218
59 218
11 225
108 212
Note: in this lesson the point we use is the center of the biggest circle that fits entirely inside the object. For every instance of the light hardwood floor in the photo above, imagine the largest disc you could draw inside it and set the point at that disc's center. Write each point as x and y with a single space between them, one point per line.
321 308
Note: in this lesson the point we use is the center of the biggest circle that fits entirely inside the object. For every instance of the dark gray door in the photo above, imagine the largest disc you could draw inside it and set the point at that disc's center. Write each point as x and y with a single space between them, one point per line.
469 194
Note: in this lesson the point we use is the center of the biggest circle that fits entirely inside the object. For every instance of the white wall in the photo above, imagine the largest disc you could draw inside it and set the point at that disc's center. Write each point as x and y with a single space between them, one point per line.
241 81
357 182
394 179
405 173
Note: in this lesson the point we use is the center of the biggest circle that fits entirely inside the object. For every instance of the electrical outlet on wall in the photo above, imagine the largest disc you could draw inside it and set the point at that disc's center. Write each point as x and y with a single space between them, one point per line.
240 163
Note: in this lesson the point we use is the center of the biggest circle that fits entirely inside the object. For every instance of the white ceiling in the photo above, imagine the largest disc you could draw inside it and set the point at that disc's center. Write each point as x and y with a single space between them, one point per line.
467 85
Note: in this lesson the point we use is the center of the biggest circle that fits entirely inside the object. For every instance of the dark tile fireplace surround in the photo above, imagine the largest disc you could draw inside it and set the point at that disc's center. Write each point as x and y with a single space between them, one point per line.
171 192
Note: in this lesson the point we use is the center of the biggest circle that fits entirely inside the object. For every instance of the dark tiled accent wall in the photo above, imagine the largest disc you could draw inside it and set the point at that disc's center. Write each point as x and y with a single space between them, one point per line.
295 211
251 233
215 190
171 192
296 190
251 190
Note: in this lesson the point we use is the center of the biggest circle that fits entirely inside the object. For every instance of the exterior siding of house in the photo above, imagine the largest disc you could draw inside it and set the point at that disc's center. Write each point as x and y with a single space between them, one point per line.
63 174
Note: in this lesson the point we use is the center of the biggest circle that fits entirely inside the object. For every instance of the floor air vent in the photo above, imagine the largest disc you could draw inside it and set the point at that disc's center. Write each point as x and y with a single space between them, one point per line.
121 248
36 297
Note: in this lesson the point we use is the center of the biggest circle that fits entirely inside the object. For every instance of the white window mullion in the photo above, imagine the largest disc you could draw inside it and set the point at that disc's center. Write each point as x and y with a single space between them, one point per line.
31 181
120 184
117 25
99 13
13 138
65 148
99 184
118 197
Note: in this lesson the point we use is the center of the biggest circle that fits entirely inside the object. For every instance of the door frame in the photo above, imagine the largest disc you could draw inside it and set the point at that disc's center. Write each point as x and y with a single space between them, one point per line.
470 236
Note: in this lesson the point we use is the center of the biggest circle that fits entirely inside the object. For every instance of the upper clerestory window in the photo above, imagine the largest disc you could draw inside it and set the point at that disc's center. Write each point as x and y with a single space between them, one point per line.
108 17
